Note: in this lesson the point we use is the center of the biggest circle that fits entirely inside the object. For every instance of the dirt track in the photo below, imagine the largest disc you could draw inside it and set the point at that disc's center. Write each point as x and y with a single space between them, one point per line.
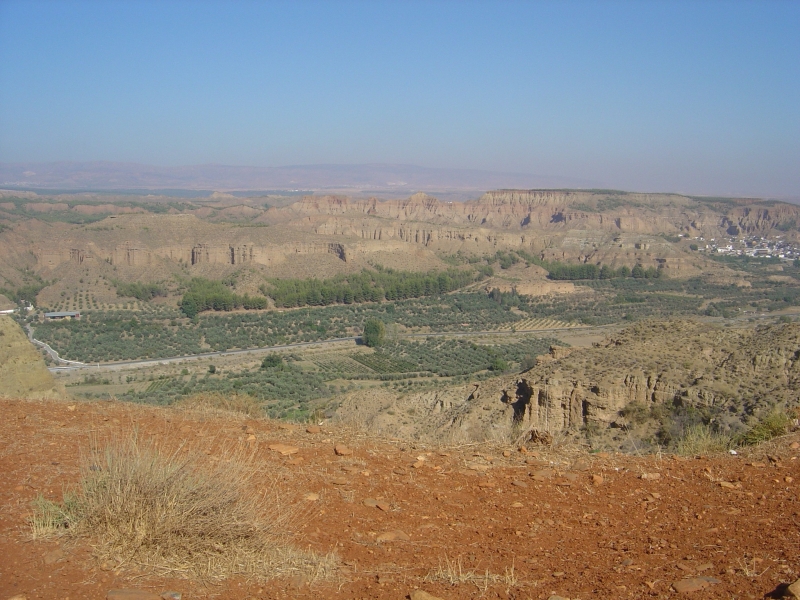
526 525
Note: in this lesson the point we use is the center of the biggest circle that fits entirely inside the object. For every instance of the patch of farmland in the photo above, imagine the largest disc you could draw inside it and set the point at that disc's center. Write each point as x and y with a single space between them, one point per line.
383 363
343 365
537 324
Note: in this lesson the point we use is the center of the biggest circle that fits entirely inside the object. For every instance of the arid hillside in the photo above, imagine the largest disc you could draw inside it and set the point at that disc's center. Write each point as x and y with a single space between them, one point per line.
23 373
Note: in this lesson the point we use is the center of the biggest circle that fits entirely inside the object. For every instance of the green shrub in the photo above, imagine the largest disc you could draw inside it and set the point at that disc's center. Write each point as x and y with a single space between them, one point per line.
374 332
771 426
271 361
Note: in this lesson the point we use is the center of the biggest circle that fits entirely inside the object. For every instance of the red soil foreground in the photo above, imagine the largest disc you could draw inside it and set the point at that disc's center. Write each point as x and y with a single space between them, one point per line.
518 526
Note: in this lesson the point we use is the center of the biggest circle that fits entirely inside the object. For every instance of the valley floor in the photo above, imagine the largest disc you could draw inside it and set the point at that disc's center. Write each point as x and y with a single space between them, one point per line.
476 521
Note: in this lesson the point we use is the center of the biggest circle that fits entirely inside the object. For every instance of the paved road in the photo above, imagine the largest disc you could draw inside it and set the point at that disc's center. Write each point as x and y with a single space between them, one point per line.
53 354
112 366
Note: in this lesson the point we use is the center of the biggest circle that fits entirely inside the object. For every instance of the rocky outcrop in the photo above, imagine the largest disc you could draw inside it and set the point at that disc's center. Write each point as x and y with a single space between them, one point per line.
734 373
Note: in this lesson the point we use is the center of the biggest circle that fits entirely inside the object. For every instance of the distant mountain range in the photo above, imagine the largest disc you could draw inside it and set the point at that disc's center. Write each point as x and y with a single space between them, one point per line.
101 176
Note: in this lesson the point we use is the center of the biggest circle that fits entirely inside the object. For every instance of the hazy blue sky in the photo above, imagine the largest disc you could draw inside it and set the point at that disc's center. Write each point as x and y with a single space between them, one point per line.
698 97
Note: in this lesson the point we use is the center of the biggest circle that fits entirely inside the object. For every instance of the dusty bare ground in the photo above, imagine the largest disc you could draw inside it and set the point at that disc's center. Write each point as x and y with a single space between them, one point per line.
478 523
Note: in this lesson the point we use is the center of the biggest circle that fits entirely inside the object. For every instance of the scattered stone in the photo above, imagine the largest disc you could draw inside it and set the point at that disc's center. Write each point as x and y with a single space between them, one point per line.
251 438
54 556
295 461
311 497
286 426
284 449
313 429
339 481
793 591
418 465
384 506
694 584
393 536
758 464
298 581
486 484
543 474
171 596
627 562
185 429
19 597
371 502
581 465
422 595
557 597
517 505
597 479
558 574
650 476
794 445
250 431
519 484
684 567
704 567
727 485
570 477
131 595
399 471
506 453
788 479
342 450
479 468
350 468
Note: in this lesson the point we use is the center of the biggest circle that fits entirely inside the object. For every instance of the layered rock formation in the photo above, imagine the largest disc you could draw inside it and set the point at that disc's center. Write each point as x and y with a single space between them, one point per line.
614 228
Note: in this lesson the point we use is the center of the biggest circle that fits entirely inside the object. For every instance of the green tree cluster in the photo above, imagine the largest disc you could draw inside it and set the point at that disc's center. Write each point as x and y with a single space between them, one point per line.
205 294
366 286
140 291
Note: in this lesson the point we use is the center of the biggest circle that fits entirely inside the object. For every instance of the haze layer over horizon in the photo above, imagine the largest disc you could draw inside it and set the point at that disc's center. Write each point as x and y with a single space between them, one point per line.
694 97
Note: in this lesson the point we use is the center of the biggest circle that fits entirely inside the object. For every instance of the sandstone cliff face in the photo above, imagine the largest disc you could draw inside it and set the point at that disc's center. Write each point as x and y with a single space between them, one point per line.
748 370
23 373
557 210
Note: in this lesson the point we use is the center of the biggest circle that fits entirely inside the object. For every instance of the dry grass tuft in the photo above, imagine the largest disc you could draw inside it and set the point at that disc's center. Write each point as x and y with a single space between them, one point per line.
176 514
701 439
453 572
215 403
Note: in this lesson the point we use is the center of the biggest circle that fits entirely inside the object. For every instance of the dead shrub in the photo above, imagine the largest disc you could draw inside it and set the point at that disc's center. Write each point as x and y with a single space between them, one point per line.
178 514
